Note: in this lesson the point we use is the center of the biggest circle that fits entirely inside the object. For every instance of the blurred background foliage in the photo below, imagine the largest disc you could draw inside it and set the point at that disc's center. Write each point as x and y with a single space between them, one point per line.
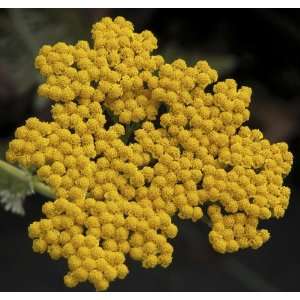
257 47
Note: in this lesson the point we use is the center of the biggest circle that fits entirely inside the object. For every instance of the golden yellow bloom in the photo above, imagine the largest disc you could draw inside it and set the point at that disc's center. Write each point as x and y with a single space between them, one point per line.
119 177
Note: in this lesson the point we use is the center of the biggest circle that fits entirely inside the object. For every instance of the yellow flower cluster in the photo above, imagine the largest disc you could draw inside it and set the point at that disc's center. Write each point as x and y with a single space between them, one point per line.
190 156
118 71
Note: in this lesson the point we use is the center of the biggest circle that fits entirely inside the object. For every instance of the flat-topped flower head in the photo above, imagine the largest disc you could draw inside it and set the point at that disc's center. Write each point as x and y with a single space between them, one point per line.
135 141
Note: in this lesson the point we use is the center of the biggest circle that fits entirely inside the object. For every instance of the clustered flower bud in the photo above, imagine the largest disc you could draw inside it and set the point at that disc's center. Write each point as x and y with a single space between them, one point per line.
116 199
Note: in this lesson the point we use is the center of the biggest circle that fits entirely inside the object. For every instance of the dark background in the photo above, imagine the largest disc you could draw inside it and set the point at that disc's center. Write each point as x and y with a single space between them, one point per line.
257 47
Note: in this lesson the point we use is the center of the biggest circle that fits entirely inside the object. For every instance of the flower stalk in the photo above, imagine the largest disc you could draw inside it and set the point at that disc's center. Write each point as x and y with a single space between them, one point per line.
27 178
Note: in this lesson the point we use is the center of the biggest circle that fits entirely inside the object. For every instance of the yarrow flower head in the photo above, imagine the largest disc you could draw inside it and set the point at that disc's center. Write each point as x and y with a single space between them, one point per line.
135 141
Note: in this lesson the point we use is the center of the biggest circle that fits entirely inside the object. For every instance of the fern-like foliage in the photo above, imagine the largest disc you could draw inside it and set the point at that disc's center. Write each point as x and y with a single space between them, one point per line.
13 193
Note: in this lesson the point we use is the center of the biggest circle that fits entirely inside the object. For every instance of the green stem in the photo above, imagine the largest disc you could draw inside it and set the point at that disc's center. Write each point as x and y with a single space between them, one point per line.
130 128
114 119
126 136
24 176
42 188
206 220
13 171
